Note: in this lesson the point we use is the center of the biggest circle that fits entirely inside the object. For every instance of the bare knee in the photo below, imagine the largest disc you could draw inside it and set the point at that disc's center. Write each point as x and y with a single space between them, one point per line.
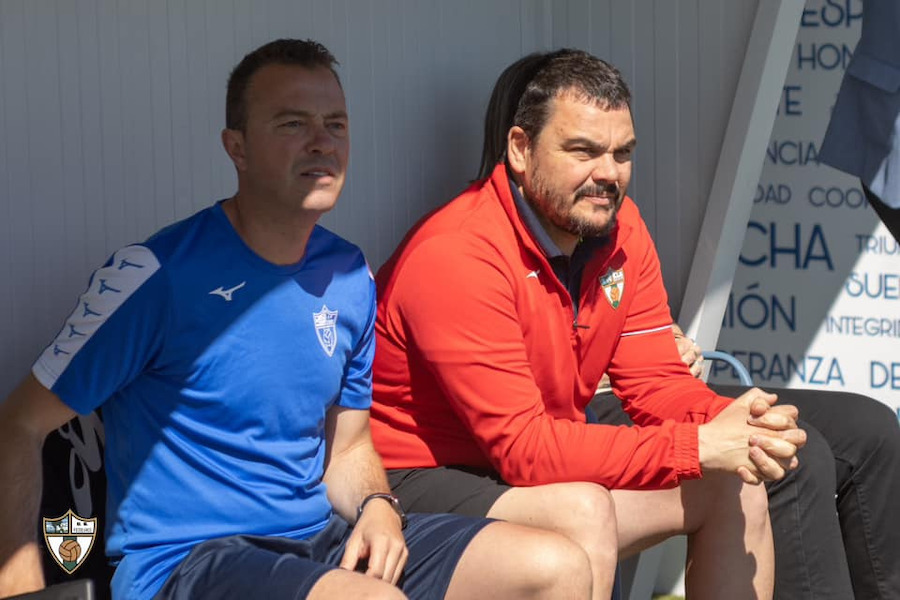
587 514
339 583
511 561
582 512
555 567
721 498
753 500
750 501
588 503
593 501
755 504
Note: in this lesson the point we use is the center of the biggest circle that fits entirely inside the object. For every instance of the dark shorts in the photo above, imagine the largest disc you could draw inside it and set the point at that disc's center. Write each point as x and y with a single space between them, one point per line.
246 566
606 409
457 490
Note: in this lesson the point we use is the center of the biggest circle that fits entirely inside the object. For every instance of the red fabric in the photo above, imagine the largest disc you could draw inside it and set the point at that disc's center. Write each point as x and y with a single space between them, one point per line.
478 362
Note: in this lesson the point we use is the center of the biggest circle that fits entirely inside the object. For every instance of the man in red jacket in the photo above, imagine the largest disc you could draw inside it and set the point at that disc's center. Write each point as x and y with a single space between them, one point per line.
500 312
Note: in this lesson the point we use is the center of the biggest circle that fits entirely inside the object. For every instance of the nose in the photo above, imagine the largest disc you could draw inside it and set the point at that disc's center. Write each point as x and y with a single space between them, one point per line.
321 140
605 168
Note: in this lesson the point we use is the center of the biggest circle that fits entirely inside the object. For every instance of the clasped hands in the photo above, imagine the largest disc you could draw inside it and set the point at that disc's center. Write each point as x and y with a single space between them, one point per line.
753 437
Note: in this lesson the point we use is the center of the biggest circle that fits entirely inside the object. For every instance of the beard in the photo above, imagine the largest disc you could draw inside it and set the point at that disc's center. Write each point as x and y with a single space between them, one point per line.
560 209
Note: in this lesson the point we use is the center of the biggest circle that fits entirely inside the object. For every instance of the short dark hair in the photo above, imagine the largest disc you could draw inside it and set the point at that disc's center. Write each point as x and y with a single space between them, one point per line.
304 53
523 92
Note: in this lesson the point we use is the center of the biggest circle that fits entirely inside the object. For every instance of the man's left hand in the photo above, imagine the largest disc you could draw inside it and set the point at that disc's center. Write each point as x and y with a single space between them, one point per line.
378 539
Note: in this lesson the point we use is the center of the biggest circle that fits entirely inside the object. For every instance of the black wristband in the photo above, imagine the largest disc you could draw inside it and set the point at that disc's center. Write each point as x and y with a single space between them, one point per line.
392 499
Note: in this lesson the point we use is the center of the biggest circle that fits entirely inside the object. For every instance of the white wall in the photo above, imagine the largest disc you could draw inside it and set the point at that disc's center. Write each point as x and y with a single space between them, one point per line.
110 113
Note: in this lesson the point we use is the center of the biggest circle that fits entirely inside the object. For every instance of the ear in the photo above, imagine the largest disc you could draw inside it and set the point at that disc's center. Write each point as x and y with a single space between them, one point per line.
518 149
233 142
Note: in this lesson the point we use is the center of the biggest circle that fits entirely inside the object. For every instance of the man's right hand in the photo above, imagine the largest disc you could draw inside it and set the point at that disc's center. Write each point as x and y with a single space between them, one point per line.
752 439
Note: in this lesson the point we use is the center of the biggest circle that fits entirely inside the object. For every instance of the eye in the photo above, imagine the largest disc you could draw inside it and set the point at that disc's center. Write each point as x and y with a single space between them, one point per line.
582 152
292 124
624 155
337 126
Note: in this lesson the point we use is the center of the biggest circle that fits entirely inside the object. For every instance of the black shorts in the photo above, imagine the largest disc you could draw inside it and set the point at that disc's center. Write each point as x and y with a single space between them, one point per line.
458 490
246 566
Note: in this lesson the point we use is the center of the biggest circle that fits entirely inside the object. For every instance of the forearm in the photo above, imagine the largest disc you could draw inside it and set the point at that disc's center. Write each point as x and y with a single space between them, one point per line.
20 479
353 470
557 450
26 416
665 389
353 475
676 398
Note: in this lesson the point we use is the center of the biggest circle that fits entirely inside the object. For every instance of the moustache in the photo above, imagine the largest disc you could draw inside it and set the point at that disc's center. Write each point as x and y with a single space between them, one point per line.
598 189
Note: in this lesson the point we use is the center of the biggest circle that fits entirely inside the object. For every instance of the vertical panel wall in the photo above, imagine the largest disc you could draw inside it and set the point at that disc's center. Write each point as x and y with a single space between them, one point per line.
110 113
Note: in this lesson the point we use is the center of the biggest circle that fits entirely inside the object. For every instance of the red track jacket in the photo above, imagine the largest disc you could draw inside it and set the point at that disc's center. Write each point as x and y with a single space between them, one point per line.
478 362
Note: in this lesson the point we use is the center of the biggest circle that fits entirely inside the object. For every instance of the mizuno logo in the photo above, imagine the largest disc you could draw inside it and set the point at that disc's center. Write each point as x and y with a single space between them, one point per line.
226 294
107 288
57 350
88 312
124 263
73 332
533 274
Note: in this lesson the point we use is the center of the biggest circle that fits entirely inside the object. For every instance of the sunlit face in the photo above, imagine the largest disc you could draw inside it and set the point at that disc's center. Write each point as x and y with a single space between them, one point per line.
576 172
295 146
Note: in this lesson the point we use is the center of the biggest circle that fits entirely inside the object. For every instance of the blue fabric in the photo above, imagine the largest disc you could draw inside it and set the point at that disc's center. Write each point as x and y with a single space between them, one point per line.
215 370
277 568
